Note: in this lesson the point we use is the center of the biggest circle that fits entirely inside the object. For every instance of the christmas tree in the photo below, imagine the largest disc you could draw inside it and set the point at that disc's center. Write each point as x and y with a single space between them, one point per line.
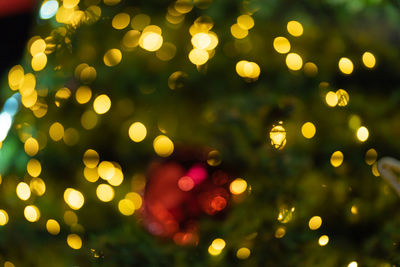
202 133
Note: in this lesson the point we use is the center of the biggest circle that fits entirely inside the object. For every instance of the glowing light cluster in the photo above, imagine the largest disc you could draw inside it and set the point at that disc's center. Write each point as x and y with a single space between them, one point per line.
278 136
248 70
203 40
216 246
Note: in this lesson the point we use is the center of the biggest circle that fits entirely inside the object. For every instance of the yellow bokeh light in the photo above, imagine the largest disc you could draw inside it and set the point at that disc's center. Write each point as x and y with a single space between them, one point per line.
102 104
71 137
70 217
3 217
163 146
331 99
53 227
238 32
83 94
31 146
74 198
323 240
23 191
135 198
137 132
112 57
151 41
91 174
245 22
285 214
295 28
310 69
362 133
131 39
91 158
247 69
56 131
15 77
198 56
238 186
353 264
308 130
74 241
294 61
70 3
201 40
343 97
117 178
280 232
345 65
166 52
375 170
89 119
8 264
121 21
369 60
37 46
39 62
34 168
126 207
337 159
218 244
354 209
140 21
278 136
37 186
371 156
106 170
243 253
105 192
214 252
111 2
315 223
281 45
214 158
28 84
31 213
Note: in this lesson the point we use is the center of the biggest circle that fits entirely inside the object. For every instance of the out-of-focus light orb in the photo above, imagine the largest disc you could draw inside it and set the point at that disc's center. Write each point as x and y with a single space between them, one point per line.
243 253
294 61
37 186
163 146
135 198
310 69
213 252
33 167
121 21
112 57
323 240
31 213
126 207
3 217
117 178
238 186
315 223
74 198
218 244
308 130
345 65
70 3
23 191
106 170
245 22
353 264
83 94
91 174
295 28
331 99
214 158
198 56
74 241
281 45
39 62
56 131
111 2
369 60
343 97
285 214
354 209
185 183
31 146
278 136
140 21
137 132
280 232
201 40
102 104
248 69
53 227
105 192
151 41
337 159
238 32
375 170
362 133
48 9
5 124
371 156
15 77
354 122
91 158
